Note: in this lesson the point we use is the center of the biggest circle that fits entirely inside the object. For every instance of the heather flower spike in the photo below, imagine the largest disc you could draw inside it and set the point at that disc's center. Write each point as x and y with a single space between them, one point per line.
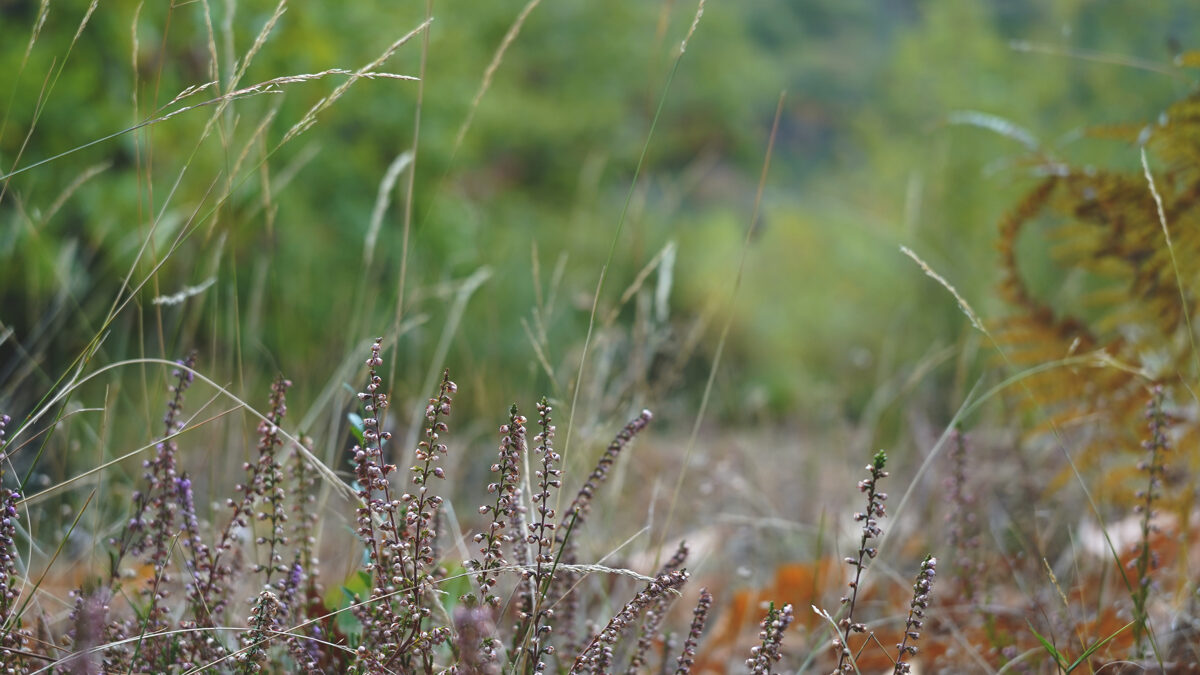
1146 561
580 508
962 527
214 569
531 639
699 617
573 519
922 588
599 650
504 509
263 626
12 636
153 528
870 530
655 614
153 512
766 653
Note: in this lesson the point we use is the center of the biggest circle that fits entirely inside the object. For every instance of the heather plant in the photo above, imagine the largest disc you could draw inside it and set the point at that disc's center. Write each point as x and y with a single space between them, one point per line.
398 533
766 654
574 518
13 637
922 588
1146 560
866 552
962 526
699 618
651 626
597 654
214 567
152 522
263 622
503 511
531 637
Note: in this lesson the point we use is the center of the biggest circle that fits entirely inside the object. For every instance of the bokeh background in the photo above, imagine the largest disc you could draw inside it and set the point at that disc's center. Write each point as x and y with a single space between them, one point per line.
904 123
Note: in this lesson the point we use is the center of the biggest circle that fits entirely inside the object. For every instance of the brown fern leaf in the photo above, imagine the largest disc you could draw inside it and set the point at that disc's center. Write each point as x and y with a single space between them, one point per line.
1126 295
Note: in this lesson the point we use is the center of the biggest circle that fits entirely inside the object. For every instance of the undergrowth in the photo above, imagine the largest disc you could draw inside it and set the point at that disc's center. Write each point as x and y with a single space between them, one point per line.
242 591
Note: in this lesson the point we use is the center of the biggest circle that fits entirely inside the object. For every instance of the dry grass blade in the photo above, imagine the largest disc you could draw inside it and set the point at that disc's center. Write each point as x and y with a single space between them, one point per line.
42 14
383 199
1097 57
271 86
962 302
513 31
259 41
368 71
1183 301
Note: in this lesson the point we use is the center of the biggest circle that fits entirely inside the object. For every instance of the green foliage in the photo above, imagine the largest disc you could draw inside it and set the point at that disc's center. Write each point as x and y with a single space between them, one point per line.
1062 661
870 155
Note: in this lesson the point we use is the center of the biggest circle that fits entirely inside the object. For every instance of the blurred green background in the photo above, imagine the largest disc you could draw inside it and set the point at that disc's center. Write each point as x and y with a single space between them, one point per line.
888 137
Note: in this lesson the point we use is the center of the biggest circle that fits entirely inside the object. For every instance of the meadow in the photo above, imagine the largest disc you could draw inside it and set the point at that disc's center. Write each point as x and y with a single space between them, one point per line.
554 338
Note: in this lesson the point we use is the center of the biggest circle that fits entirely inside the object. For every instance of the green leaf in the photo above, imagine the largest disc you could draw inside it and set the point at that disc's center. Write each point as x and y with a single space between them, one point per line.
1059 659
1092 650
339 599
356 426
456 585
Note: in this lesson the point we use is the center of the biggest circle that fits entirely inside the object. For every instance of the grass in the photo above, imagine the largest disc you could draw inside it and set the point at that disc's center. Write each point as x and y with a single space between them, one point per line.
218 531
